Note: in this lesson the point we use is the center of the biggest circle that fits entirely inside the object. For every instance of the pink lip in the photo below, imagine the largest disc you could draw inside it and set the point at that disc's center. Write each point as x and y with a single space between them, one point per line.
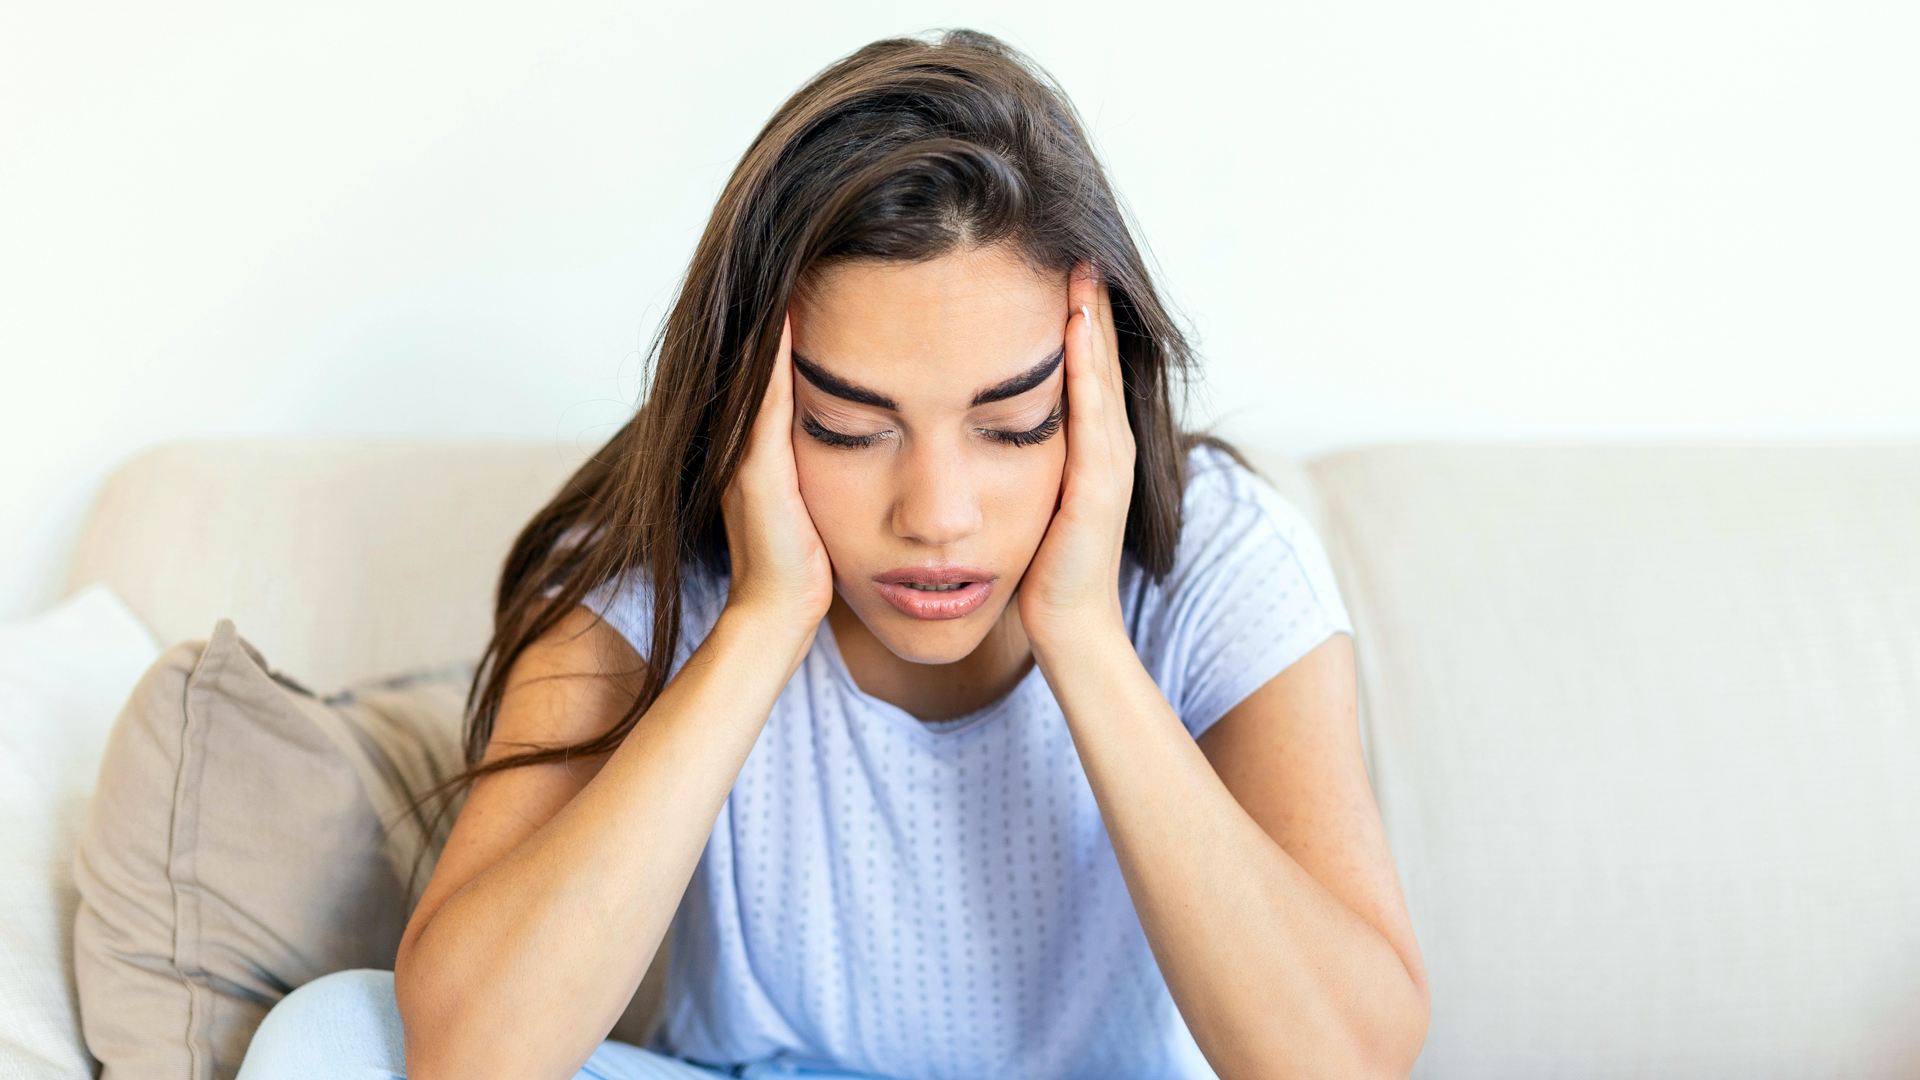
975 586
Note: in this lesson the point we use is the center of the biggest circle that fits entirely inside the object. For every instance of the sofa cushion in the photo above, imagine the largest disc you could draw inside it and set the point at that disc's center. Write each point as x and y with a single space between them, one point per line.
1645 729
247 837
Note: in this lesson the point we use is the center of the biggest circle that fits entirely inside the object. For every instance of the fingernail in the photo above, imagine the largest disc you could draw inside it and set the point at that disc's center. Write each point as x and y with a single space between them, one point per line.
1088 315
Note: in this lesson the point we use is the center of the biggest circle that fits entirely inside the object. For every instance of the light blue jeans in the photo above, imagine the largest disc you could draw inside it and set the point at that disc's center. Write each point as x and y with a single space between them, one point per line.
345 1026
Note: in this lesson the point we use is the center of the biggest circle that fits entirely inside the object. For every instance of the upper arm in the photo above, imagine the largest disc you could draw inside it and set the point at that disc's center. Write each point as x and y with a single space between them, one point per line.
1290 755
573 683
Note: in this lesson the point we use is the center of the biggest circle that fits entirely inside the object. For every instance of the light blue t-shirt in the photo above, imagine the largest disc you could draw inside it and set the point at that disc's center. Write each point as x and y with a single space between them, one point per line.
917 900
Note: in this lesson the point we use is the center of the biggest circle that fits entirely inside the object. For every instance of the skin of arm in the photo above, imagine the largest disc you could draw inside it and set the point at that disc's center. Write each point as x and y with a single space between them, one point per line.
1254 856
504 969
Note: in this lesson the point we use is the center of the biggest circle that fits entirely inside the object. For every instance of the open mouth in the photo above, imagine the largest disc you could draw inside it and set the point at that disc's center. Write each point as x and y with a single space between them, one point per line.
936 592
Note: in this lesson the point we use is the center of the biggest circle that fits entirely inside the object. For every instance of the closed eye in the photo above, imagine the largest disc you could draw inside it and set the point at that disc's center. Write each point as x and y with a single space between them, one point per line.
1040 433
831 437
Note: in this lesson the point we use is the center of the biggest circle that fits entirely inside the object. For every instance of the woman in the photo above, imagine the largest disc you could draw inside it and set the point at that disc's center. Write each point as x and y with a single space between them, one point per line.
959 716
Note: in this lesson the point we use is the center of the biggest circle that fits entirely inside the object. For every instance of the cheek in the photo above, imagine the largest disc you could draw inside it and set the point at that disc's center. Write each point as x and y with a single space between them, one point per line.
843 494
1022 494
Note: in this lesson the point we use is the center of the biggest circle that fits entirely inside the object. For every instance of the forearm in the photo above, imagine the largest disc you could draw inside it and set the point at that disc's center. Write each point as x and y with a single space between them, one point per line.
1274 975
522 971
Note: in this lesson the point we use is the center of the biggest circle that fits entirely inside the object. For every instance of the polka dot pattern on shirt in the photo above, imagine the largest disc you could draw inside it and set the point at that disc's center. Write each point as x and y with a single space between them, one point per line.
887 896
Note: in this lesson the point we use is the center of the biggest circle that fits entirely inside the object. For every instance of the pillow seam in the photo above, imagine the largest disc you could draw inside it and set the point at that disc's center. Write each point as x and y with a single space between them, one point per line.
182 865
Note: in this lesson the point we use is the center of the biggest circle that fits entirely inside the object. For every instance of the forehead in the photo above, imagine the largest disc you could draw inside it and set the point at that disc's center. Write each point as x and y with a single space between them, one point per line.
950 325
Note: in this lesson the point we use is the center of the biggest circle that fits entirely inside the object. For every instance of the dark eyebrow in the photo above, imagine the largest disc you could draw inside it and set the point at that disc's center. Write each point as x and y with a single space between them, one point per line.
1022 382
828 383
840 388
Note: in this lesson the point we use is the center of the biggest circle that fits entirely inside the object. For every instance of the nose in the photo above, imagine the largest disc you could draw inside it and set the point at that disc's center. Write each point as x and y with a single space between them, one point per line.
935 502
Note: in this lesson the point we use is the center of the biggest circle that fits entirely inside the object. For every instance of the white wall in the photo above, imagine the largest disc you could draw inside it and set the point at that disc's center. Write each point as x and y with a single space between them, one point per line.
1493 219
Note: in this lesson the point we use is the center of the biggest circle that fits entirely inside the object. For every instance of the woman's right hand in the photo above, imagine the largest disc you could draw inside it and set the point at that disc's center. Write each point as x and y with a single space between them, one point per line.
781 575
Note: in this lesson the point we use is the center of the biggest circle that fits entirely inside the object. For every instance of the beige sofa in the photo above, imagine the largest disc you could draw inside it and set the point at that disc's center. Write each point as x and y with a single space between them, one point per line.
1644 723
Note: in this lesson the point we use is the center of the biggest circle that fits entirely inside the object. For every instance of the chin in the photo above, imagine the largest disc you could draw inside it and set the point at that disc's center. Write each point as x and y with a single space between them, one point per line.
928 641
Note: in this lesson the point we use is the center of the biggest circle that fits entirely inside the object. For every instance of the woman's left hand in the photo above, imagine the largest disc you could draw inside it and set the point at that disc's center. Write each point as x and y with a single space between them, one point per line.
1071 591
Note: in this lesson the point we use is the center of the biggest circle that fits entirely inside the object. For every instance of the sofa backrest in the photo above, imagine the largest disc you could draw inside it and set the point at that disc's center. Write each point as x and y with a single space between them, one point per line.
1645 730
339 560
1644 723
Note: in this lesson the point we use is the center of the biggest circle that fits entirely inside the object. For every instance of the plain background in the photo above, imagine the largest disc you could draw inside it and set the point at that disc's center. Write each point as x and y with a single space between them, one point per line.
1482 220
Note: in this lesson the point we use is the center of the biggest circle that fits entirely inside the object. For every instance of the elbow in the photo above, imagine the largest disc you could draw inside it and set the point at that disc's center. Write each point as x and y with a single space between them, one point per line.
435 1049
1383 1048
1399 1045
1388 1031
428 1015
452 1032
1386 1043
1380 1041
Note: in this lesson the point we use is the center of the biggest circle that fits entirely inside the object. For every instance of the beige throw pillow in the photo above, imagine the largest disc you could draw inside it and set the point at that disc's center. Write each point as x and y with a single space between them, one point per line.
245 838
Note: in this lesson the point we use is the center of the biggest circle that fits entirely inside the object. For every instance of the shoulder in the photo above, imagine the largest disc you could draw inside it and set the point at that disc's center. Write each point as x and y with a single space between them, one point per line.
627 604
1251 591
1231 516
1217 483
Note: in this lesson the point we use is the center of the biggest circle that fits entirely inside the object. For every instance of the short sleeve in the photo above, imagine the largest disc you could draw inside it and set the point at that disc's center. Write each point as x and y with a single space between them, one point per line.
627 605
1251 591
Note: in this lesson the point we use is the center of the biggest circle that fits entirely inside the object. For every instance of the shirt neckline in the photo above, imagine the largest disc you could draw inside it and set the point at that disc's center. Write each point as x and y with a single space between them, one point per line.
825 641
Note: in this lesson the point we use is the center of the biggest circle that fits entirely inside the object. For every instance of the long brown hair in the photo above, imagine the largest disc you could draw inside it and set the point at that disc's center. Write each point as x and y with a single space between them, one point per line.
906 150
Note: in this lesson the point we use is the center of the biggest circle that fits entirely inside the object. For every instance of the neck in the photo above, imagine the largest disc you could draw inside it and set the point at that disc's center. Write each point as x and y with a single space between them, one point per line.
934 691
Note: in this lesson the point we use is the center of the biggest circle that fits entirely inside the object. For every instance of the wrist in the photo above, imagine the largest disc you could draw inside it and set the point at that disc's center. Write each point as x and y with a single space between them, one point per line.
775 635
1067 642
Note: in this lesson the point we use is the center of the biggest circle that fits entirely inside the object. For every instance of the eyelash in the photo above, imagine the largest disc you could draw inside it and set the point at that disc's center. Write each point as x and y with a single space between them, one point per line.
1045 430
834 438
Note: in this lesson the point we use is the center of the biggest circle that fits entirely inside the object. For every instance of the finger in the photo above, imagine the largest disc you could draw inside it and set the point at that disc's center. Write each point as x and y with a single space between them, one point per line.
1080 300
1080 287
1118 432
1088 290
1081 348
782 382
1089 399
776 407
1102 407
1082 345
1105 367
1116 379
1079 360
1103 359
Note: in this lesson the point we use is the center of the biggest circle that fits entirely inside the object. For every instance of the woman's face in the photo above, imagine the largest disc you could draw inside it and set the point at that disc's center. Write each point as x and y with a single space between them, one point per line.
929 438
